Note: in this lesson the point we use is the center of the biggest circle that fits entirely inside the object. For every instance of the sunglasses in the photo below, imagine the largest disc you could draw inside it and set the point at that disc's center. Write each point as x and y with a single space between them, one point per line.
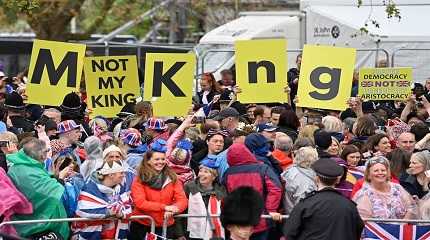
376 160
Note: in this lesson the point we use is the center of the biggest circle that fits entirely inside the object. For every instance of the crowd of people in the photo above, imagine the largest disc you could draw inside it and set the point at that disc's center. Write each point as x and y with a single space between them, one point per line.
325 169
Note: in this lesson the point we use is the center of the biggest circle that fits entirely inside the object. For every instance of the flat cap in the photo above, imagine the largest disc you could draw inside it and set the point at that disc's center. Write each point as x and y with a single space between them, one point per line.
227 112
327 168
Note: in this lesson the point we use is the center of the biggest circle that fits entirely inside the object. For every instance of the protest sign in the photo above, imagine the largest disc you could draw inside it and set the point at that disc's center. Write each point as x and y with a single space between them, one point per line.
111 83
55 70
325 79
385 83
169 81
261 70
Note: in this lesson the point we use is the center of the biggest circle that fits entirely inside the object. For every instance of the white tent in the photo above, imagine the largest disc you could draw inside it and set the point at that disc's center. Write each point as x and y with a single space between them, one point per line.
335 23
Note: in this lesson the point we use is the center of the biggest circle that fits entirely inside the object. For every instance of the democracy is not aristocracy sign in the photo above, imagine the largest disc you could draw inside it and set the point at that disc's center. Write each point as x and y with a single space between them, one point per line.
385 83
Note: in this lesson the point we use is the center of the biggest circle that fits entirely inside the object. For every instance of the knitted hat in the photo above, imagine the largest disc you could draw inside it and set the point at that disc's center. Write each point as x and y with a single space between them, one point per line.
112 148
155 124
67 126
14 101
71 103
114 167
131 136
243 207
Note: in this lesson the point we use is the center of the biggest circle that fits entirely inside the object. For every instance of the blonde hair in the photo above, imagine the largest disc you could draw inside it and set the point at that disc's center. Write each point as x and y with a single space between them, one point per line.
372 162
332 124
339 146
308 132
305 157
9 136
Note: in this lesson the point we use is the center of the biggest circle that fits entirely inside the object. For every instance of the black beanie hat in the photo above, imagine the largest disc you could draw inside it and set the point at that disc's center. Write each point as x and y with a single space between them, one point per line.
71 103
14 101
322 139
243 207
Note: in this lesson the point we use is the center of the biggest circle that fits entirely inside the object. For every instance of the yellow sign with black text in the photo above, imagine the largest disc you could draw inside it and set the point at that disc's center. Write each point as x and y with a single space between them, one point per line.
385 83
55 70
261 70
169 82
325 79
111 83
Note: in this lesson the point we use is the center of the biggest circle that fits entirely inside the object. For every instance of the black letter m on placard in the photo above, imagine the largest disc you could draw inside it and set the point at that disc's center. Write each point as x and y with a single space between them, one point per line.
166 79
253 68
70 61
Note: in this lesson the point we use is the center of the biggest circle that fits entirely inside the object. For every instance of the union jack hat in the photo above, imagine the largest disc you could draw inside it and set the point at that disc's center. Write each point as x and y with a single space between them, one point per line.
131 137
67 126
155 124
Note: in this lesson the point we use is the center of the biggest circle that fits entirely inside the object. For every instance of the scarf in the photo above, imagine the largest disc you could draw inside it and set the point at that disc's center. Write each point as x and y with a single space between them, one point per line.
156 182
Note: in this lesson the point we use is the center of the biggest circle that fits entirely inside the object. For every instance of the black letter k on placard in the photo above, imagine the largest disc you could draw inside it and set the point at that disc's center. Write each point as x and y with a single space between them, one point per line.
166 79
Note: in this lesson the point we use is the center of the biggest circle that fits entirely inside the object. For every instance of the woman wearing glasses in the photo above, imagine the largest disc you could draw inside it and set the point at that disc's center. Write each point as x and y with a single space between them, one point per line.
381 198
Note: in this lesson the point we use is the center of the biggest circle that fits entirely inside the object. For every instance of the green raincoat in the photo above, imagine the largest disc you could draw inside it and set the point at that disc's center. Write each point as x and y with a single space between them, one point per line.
42 190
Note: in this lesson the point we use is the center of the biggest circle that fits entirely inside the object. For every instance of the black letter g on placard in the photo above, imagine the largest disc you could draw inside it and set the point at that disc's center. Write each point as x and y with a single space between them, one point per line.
332 86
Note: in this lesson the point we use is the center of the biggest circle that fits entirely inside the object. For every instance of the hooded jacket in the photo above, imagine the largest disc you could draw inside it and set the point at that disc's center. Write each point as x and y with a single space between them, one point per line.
259 146
151 201
42 190
246 170
94 158
298 182
13 202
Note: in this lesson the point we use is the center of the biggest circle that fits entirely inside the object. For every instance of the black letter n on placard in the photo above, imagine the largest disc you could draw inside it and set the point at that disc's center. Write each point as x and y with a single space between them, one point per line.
70 61
253 67
166 79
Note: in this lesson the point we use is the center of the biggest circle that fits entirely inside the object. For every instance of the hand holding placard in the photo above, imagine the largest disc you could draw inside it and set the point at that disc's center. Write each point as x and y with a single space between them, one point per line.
326 77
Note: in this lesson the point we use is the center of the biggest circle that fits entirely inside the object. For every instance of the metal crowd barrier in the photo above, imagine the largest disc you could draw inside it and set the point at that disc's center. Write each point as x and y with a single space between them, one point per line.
77 220
376 220
164 234
413 221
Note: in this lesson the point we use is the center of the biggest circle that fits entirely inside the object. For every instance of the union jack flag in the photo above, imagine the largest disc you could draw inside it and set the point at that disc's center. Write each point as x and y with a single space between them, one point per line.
403 231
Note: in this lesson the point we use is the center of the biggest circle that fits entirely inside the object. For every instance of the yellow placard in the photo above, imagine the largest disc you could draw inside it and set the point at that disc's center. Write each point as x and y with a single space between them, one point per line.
385 83
261 70
169 82
55 70
325 79
111 83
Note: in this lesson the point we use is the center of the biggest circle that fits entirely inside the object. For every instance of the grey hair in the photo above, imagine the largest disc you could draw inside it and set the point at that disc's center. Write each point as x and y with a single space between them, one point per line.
35 149
284 143
54 110
305 157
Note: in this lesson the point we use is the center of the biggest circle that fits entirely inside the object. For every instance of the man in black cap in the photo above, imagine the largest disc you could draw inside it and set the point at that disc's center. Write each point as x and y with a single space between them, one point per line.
16 113
324 214
228 119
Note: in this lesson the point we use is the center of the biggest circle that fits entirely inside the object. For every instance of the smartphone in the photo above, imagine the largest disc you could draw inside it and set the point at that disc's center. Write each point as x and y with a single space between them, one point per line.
4 143
198 120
